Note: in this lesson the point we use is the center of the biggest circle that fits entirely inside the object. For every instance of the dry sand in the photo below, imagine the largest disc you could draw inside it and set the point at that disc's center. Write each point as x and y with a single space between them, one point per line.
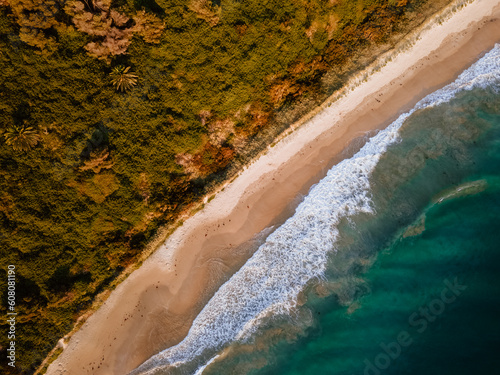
155 306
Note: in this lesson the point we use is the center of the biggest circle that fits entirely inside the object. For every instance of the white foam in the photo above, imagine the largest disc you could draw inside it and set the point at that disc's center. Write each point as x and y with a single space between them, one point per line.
200 369
297 251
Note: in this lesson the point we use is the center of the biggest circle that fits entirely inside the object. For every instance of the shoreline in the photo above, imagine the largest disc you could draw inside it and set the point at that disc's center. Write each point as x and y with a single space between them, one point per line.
154 307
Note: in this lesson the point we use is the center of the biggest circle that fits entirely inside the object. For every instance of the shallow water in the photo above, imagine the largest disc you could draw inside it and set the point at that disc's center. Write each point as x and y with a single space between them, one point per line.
365 259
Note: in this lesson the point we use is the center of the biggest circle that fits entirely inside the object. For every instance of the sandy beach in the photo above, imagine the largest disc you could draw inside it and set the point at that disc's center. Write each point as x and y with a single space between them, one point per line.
155 306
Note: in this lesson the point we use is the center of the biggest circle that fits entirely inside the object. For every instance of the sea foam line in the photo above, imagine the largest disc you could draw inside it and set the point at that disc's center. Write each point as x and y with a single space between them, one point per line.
297 251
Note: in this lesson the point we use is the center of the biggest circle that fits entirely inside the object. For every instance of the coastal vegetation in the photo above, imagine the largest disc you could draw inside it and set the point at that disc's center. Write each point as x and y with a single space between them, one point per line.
117 115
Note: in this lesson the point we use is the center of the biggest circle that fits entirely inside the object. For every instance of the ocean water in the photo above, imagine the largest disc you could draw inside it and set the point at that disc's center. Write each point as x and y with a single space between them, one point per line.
389 265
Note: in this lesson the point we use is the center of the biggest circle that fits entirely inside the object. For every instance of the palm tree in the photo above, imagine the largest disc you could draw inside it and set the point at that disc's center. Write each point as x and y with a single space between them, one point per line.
122 79
21 138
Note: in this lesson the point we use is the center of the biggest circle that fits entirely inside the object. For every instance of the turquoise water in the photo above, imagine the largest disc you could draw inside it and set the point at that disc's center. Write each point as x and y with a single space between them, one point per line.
460 244
461 336
389 265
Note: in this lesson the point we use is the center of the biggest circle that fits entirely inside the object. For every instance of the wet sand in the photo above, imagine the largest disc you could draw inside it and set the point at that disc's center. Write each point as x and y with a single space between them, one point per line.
155 306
